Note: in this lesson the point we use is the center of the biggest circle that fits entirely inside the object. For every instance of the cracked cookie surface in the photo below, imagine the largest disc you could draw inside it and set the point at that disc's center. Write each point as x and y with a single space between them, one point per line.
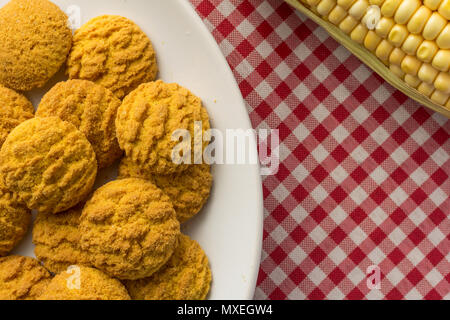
88 284
22 278
129 229
186 276
57 240
147 120
114 52
49 164
92 109
188 190
14 110
15 219
34 43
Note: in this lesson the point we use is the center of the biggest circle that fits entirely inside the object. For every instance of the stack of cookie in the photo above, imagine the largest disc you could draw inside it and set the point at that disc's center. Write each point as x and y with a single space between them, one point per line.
122 240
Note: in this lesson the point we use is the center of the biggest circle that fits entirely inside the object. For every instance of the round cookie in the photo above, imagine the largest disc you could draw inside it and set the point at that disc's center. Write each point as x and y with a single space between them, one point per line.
14 110
15 218
147 120
114 52
92 109
57 240
188 190
49 164
186 276
129 229
83 283
34 43
22 278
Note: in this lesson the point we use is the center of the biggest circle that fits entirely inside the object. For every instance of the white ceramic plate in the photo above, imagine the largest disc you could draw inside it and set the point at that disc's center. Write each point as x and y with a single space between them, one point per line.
230 227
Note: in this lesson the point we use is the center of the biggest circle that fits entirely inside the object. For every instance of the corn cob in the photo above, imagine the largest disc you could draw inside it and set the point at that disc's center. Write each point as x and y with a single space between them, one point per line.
411 37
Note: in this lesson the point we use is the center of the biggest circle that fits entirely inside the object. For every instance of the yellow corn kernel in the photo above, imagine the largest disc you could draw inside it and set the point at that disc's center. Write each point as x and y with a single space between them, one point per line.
348 24
448 105
337 15
372 41
426 89
442 82
432 4
376 2
384 27
346 4
389 8
397 56
434 26
411 44
418 20
444 9
441 60
405 11
359 33
325 6
358 9
443 41
427 73
398 35
371 18
412 81
411 65
427 50
440 97
395 69
384 51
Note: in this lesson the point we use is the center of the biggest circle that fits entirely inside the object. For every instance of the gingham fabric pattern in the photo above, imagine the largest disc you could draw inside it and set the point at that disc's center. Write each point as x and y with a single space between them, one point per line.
364 174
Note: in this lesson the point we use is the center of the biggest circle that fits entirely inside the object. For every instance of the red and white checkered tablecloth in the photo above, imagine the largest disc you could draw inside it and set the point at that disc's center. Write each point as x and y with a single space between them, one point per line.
365 172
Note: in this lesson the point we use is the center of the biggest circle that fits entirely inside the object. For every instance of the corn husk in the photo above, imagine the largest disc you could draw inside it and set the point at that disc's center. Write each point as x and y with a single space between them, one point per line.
370 59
